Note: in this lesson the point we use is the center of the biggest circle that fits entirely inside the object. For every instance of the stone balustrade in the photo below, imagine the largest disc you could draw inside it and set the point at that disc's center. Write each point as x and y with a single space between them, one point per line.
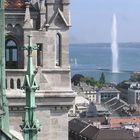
14 78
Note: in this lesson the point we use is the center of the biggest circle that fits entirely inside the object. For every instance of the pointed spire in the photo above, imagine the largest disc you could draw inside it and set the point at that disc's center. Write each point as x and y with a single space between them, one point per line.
28 23
42 14
65 1
31 125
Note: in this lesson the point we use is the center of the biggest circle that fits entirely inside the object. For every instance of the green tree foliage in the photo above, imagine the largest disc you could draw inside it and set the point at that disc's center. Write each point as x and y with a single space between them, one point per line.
102 79
77 78
98 84
90 81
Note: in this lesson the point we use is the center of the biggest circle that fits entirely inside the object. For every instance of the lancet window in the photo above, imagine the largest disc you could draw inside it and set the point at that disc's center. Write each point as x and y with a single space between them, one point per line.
58 49
11 54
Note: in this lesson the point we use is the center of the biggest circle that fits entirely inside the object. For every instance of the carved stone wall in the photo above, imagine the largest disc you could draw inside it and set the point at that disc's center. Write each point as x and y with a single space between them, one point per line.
55 97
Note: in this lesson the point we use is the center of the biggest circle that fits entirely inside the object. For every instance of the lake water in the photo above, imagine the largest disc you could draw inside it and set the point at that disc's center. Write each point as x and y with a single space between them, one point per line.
92 59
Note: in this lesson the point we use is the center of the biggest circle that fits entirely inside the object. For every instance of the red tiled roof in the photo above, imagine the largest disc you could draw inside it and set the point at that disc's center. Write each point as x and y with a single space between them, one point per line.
117 122
14 4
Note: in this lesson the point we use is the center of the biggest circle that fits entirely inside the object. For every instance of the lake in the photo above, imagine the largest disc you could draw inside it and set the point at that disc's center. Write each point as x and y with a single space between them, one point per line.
93 59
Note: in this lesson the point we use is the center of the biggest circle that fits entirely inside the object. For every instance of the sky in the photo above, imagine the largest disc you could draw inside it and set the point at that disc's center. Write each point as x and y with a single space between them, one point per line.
92 20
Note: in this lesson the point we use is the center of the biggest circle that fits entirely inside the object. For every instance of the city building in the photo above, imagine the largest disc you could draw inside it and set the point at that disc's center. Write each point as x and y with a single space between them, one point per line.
81 129
118 107
135 76
106 93
134 94
79 106
86 90
48 23
95 110
125 122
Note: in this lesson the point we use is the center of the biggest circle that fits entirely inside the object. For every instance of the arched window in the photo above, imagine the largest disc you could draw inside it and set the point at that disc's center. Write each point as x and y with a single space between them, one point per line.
40 54
11 83
9 27
18 84
11 54
19 30
58 49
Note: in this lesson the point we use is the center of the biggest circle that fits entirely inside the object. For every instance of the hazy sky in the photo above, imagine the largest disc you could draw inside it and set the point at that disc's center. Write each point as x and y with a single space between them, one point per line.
92 20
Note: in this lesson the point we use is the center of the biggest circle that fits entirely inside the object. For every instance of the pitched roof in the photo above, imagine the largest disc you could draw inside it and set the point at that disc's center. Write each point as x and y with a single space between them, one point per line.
83 128
108 90
94 119
115 104
107 134
77 125
89 131
130 120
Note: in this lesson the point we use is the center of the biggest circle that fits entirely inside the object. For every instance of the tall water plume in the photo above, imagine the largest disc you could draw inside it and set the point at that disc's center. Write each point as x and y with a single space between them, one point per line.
114 46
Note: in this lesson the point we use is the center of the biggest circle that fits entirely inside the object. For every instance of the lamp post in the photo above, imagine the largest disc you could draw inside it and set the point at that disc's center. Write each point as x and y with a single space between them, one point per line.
30 126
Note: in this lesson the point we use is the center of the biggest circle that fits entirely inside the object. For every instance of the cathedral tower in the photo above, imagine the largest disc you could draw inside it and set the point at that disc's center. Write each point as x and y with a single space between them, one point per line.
48 21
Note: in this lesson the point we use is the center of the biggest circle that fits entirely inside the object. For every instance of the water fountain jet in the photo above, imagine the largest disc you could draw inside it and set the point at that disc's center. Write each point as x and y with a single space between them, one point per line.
114 46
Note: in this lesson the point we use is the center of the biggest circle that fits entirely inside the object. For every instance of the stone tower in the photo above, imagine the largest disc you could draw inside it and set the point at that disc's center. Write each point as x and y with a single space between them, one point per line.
48 21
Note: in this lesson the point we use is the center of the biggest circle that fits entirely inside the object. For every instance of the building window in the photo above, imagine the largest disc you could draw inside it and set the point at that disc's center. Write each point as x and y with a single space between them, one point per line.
11 54
11 83
9 27
58 50
6 83
18 84
40 54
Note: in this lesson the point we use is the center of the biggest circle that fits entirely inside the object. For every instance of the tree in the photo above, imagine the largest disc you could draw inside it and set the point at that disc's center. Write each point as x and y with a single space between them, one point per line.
90 81
102 79
76 79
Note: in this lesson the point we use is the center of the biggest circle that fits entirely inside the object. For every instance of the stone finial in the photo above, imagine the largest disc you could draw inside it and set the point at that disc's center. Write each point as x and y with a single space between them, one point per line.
42 6
66 1
28 23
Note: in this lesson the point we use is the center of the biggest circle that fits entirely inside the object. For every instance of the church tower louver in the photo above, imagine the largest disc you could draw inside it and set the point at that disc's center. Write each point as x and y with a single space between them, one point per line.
48 21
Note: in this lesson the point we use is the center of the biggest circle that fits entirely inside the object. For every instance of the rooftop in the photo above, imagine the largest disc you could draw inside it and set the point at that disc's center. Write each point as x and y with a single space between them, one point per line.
132 120
109 134
15 4
87 130
135 86
117 105
108 90
83 87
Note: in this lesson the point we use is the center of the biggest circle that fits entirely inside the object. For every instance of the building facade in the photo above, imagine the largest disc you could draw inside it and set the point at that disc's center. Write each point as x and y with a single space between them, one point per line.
106 93
134 94
48 22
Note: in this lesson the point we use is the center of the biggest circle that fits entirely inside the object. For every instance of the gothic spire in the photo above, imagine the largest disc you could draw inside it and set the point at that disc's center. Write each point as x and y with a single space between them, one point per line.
28 23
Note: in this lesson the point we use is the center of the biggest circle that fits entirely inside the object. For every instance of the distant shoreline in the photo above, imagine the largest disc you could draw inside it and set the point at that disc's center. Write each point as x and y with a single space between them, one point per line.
121 44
